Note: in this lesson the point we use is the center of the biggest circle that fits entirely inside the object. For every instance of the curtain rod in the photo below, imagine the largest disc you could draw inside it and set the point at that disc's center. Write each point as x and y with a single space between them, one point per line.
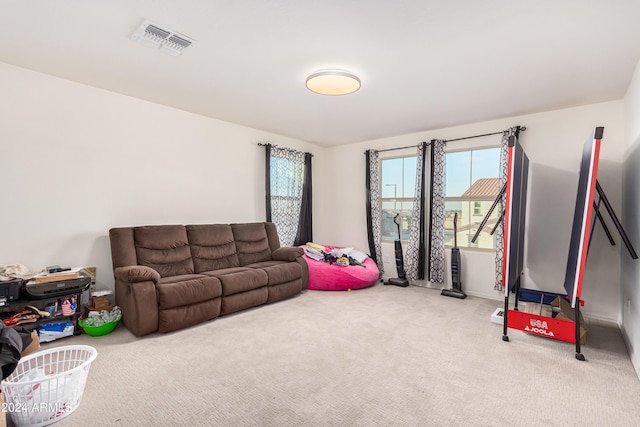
284 148
399 148
522 129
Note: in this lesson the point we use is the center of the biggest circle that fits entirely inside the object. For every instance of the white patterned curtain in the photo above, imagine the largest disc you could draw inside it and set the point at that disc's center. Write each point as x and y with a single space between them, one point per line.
437 258
504 151
414 257
374 232
285 179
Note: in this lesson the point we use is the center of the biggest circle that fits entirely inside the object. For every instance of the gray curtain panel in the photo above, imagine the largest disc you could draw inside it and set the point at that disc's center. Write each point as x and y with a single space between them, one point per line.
504 149
374 232
412 256
285 177
437 258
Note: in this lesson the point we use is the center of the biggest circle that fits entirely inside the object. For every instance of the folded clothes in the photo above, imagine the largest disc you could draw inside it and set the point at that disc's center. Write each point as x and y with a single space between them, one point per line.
314 254
315 246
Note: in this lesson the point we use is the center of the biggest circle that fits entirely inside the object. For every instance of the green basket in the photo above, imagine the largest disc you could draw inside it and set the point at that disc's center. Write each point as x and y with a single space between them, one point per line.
98 331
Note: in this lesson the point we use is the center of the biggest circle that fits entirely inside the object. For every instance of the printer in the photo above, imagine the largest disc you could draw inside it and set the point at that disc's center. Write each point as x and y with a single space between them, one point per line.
9 289
57 288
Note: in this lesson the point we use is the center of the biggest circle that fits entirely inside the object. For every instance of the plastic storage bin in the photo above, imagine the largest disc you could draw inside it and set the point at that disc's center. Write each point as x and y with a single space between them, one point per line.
98 331
48 385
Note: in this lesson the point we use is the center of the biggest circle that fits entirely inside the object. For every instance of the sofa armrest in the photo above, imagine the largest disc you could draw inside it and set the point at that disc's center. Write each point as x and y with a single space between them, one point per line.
287 254
139 304
136 273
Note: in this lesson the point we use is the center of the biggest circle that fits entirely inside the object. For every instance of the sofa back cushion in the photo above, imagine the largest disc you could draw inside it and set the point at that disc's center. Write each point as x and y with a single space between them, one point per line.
165 248
252 243
212 247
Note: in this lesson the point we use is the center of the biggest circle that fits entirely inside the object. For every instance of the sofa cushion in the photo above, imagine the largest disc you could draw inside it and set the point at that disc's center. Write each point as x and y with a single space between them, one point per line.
283 273
223 271
181 278
243 281
252 242
212 247
165 248
264 264
186 292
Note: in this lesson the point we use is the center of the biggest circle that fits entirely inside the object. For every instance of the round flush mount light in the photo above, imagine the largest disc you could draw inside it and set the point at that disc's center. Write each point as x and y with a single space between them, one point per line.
333 82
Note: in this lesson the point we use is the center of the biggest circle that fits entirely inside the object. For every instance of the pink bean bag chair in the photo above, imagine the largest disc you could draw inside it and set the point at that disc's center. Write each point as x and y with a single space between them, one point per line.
332 277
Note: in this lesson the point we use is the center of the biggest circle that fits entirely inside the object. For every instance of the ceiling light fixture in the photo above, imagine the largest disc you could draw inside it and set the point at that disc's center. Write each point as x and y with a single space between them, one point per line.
333 82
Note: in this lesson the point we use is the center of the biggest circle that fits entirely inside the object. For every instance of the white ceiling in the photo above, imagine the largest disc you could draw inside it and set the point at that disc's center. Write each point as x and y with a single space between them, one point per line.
424 64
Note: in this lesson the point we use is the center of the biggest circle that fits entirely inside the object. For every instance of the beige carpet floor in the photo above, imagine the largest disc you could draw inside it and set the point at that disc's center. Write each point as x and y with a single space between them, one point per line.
382 356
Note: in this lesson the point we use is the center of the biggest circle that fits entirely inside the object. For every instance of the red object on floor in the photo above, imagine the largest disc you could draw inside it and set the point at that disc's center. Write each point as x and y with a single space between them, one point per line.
549 327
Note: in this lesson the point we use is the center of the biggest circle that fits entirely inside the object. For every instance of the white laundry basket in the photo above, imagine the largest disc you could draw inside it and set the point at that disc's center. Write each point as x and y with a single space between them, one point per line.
47 386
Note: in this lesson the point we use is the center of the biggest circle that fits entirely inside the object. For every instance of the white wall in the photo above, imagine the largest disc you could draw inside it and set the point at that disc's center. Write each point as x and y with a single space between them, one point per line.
630 269
76 161
553 141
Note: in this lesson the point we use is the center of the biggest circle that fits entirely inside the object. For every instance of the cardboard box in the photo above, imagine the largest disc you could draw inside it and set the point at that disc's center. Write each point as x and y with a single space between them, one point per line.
35 344
89 308
568 313
101 303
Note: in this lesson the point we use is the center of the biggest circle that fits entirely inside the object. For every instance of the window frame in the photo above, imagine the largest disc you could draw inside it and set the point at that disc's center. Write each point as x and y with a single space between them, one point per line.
396 199
475 199
447 199
477 208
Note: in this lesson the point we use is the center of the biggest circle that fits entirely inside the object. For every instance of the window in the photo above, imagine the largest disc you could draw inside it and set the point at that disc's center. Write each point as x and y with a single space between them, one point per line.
472 180
477 208
397 192
286 176
472 185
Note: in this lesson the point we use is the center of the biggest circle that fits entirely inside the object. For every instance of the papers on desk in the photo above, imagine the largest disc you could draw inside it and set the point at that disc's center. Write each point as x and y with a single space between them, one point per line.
70 274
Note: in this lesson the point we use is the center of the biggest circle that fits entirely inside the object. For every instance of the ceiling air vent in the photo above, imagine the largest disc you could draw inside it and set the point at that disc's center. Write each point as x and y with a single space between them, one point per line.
157 37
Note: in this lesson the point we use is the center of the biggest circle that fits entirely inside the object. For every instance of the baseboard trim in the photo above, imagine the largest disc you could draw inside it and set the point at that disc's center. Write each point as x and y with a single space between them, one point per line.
495 296
632 354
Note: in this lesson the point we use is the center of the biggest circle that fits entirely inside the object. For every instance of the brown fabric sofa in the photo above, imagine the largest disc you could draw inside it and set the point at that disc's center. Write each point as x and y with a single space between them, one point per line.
169 277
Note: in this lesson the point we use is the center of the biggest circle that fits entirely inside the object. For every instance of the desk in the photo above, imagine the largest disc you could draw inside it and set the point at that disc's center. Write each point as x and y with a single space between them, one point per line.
9 308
